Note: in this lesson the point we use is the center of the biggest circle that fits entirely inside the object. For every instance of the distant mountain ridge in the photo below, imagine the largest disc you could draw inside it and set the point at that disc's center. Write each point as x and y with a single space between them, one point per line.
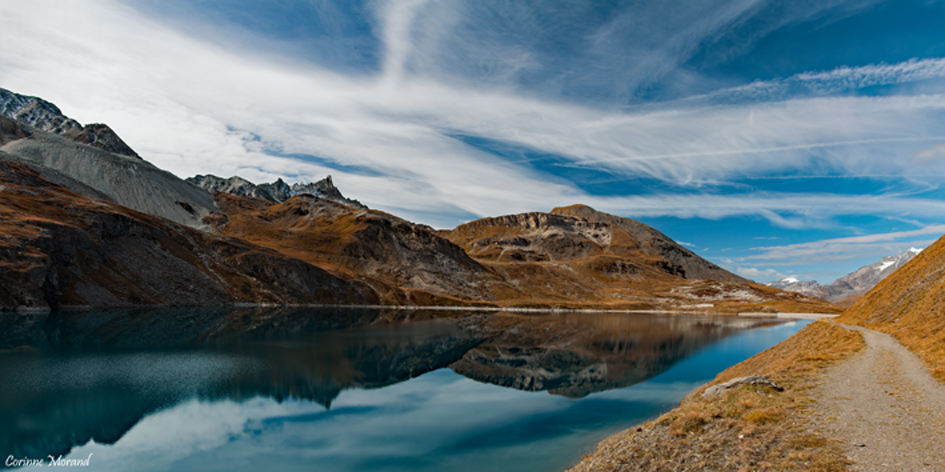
276 192
851 285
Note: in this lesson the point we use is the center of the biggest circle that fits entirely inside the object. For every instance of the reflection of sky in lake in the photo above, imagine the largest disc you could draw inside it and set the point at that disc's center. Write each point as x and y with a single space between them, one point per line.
438 421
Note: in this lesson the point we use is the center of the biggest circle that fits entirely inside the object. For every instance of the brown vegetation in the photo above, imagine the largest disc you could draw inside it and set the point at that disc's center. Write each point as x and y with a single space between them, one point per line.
61 249
910 305
529 260
747 428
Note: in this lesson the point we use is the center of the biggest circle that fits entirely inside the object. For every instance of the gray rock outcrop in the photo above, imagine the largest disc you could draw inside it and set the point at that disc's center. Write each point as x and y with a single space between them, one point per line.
717 390
276 192
128 181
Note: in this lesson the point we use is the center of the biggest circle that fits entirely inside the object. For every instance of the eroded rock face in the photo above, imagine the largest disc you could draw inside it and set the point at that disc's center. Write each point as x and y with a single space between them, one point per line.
533 237
580 232
103 137
404 258
10 130
128 181
677 259
60 249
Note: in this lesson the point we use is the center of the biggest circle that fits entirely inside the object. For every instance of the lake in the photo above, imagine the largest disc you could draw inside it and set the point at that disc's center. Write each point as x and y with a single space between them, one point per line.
340 389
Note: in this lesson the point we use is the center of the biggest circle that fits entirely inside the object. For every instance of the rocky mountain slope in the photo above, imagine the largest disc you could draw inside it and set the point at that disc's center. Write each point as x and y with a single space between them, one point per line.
276 192
578 253
535 259
851 285
60 249
407 262
129 181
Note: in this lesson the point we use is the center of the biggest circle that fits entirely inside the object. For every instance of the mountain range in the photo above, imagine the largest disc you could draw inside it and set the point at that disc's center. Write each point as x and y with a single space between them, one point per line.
847 289
86 223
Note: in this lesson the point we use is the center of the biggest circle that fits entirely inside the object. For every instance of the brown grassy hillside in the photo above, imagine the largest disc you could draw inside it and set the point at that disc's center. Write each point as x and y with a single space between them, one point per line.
910 305
60 249
405 262
576 255
577 259
747 428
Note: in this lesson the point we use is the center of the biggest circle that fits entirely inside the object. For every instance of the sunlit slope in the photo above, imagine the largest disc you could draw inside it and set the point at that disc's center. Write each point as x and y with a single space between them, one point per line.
579 255
910 305
405 262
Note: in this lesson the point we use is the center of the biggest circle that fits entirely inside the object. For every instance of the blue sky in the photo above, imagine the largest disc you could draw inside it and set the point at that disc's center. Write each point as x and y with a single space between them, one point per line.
775 138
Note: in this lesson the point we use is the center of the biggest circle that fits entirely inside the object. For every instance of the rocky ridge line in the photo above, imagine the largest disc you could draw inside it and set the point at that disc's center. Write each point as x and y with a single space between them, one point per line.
851 285
276 192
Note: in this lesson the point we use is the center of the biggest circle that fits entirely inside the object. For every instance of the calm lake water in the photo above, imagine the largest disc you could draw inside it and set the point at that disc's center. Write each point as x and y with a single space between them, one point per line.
332 390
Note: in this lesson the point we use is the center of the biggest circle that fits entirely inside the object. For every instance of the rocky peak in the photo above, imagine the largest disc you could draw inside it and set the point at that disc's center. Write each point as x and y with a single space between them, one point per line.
276 192
42 115
655 244
36 112
101 136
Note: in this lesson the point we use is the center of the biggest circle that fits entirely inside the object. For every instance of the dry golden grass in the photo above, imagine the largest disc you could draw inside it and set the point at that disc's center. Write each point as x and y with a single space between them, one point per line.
747 428
910 305
357 244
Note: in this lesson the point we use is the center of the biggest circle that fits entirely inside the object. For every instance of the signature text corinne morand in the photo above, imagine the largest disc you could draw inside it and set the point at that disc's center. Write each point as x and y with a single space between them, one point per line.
52 462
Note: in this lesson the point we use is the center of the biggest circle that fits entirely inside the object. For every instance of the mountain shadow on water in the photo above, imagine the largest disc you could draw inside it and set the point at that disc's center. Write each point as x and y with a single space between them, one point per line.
76 377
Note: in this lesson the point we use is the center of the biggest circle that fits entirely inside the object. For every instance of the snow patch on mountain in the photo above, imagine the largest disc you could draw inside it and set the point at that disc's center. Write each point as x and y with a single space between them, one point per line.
856 283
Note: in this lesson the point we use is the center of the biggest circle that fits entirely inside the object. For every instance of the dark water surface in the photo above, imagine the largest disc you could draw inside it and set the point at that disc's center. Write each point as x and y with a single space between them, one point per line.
332 389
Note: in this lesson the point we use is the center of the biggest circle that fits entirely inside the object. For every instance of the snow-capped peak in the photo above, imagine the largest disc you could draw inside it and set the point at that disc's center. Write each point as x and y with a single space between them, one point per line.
885 265
912 249
790 279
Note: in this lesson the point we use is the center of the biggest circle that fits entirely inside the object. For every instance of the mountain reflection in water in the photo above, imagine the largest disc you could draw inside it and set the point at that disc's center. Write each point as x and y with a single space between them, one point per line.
71 378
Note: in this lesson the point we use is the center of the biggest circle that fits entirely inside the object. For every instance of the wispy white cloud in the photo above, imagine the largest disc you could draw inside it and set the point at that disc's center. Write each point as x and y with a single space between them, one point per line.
782 209
193 106
851 247
841 79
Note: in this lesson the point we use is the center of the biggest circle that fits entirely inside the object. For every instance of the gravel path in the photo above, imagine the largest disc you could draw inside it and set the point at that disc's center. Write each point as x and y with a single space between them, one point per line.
886 407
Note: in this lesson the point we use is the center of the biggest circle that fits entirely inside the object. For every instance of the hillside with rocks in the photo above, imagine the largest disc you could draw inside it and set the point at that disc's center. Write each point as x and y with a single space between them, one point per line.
60 249
127 233
103 175
578 253
406 262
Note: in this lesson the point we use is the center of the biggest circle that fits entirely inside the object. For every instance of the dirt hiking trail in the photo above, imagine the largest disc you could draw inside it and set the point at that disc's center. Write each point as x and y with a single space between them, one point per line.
885 407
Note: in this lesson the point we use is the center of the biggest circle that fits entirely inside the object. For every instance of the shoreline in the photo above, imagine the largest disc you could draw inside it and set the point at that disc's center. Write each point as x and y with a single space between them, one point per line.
747 427
485 309
791 316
